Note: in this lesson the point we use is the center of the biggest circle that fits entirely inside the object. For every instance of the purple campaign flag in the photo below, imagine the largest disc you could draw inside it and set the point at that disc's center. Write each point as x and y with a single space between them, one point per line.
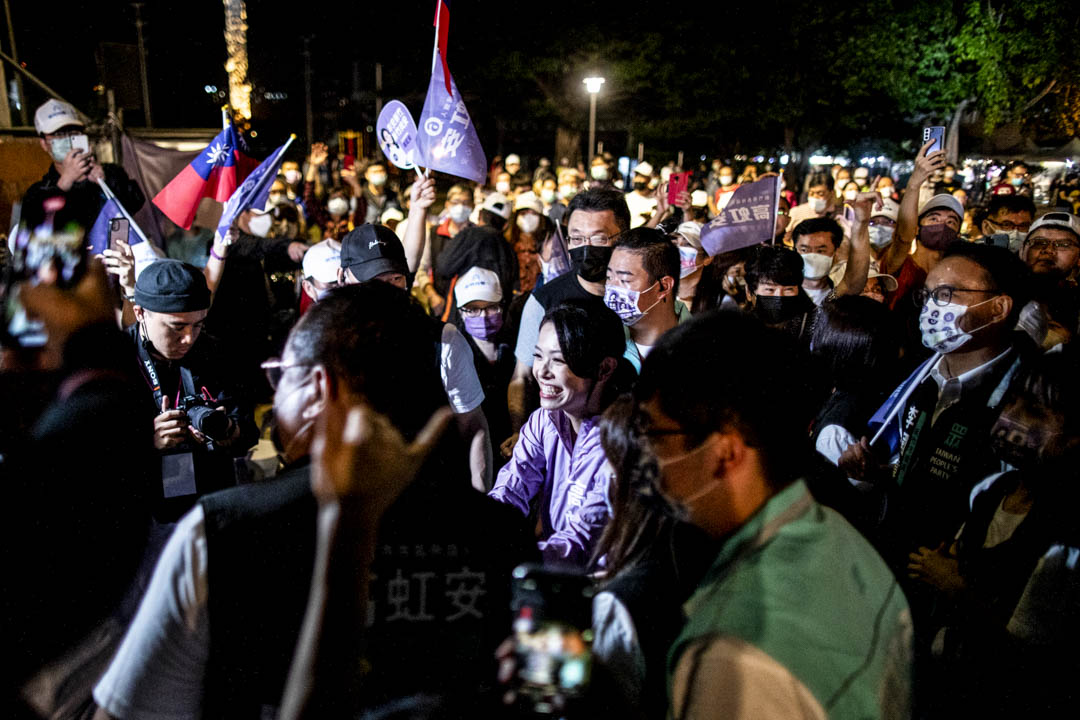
749 218
98 237
560 257
256 188
447 138
397 135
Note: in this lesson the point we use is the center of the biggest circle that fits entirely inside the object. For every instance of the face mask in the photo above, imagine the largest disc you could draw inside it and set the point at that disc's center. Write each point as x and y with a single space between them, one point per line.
850 194
567 192
590 262
640 184
337 206
485 326
292 176
1017 181
59 148
547 195
940 328
815 265
885 190
681 508
528 223
817 204
687 261
937 237
503 187
277 198
378 179
260 225
881 235
599 172
459 213
624 303
726 180
949 175
774 310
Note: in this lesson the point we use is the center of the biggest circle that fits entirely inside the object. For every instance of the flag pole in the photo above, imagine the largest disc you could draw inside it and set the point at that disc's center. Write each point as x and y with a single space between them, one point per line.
930 365
776 205
435 47
109 194
224 117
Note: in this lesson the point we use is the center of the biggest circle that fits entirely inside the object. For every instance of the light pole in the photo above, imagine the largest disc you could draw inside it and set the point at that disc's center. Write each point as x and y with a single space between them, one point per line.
592 84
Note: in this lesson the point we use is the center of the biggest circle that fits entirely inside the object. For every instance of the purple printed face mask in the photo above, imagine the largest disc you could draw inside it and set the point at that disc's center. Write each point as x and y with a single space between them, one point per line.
484 327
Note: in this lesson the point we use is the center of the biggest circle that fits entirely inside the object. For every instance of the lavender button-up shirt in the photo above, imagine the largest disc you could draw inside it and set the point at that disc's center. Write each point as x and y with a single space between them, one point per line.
571 477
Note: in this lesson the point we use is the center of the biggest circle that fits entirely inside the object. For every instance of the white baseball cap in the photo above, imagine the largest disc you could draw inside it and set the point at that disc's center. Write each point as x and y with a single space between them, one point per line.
512 159
391 213
53 115
477 284
888 281
944 201
321 261
890 209
691 231
1057 219
497 203
643 168
529 201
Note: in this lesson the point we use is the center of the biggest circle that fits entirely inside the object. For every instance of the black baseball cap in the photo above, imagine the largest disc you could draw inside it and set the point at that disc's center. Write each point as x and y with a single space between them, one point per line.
171 286
371 250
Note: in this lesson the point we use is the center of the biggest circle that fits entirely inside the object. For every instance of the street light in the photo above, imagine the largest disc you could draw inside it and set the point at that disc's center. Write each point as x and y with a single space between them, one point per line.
592 84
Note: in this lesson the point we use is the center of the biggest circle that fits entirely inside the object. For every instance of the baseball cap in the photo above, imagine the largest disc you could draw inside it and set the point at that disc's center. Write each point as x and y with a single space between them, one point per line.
699 198
477 284
528 201
512 159
371 250
943 201
53 115
497 203
890 209
643 168
888 281
171 286
1057 219
391 213
321 261
691 231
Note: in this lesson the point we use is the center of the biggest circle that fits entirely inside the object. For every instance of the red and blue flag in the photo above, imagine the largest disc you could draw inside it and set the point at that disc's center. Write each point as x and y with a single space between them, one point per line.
215 174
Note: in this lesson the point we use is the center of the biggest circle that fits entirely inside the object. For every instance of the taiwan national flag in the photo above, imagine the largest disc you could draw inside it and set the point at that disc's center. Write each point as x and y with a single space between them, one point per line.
98 237
215 173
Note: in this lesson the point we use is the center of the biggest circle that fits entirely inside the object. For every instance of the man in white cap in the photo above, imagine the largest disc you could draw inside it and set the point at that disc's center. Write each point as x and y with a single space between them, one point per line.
936 227
692 258
640 200
883 225
74 173
513 164
320 266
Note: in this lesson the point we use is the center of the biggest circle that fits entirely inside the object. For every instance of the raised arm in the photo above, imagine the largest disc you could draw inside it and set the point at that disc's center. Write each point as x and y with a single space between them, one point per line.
907 225
422 198
858 262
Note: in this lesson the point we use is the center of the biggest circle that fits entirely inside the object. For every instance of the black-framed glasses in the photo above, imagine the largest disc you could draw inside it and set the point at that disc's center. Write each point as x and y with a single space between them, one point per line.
276 367
488 311
1008 226
599 240
1056 245
942 294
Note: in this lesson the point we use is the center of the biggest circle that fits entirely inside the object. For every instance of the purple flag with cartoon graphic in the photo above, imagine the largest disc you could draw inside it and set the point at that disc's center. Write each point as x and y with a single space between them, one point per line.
447 138
749 218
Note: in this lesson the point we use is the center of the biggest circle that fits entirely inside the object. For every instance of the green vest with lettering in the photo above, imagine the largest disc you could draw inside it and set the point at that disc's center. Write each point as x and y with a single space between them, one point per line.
799 583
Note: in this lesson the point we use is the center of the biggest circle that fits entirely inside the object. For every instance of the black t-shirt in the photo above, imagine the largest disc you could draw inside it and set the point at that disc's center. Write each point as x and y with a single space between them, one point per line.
563 288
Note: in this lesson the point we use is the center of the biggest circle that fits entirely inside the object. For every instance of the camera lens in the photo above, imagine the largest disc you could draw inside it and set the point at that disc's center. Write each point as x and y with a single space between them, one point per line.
209 421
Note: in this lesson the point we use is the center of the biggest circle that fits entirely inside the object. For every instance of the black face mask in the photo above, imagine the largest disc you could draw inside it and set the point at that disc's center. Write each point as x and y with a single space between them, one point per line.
640 184
590 262
776 310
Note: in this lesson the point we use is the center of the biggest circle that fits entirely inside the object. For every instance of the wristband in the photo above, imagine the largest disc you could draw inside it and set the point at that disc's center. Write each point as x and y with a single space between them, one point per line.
215 255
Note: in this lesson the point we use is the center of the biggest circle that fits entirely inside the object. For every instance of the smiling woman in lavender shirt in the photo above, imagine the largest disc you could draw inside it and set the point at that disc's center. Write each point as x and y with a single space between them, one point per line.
579 367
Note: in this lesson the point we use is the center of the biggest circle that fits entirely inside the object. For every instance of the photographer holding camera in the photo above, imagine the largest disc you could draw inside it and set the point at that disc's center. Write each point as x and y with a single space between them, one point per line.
198 429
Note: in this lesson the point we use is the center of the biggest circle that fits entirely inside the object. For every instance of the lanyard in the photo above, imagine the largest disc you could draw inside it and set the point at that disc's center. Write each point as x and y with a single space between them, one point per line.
187 383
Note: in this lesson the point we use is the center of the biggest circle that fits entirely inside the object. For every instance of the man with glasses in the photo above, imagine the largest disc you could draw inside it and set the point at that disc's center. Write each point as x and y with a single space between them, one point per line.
198 426
74 172
1052 248
1009 216
596 218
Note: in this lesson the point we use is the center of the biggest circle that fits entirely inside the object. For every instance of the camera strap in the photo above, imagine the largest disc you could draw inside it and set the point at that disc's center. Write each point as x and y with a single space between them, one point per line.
187 382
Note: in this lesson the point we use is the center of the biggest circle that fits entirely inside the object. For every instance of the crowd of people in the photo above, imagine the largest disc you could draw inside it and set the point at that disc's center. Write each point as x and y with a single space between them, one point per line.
828 475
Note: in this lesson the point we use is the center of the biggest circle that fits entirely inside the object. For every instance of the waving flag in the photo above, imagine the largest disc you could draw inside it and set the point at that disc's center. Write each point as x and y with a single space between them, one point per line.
749 218
256 188
442 30
215 173
447 138
98 237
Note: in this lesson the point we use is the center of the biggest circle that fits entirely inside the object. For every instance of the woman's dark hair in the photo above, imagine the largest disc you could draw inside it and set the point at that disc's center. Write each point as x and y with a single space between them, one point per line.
589 333
775 264
825 179
854 337
710 290
493 221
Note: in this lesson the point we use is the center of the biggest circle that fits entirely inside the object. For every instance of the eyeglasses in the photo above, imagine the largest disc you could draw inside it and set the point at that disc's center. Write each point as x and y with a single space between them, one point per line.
276 367
1043 243
594 240
1008 226
942 294
488 311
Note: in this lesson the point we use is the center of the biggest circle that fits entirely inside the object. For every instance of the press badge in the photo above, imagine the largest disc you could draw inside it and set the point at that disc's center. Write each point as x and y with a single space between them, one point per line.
178 474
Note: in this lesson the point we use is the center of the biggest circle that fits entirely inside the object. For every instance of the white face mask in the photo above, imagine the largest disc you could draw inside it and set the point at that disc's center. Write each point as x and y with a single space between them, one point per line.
940 325
815 265
726 180
459 213
850 194
337 206
503 187
567 192
260 225
687 261
624 303
881 235
547 195
817 204
292 176
1016 239
59 148
378 179
528 222
681 508
599 172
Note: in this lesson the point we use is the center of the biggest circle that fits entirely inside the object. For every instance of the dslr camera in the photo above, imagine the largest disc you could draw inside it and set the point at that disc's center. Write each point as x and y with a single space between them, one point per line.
205 417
